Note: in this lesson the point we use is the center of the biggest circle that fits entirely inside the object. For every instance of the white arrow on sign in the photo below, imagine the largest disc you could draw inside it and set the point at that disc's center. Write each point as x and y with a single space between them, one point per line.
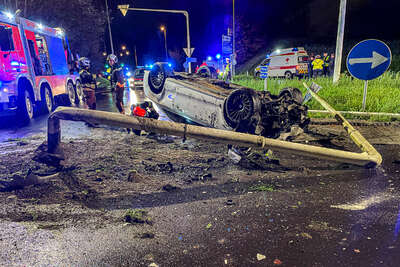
187 51
376 60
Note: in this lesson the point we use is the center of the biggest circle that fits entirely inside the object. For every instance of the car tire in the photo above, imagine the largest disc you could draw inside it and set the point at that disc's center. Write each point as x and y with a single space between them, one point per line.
25 109
157 78
47 103
240 106
79 92
71 93
288 75
292 92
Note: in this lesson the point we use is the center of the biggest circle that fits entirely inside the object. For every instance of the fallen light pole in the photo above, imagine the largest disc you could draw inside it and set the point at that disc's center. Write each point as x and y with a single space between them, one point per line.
369 158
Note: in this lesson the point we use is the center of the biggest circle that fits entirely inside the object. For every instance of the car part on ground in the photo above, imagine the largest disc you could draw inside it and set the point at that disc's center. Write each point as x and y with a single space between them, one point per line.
214 103
370 158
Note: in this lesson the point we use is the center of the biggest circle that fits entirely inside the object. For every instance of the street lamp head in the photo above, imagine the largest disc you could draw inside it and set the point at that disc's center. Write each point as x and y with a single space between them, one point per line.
123 47
127 53
162 28
104 54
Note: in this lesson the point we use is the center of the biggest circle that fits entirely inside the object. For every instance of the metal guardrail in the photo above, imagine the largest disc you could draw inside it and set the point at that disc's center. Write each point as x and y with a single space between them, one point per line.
369 158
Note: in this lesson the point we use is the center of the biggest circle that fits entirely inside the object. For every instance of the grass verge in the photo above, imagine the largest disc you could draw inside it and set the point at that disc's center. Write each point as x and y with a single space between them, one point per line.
347 95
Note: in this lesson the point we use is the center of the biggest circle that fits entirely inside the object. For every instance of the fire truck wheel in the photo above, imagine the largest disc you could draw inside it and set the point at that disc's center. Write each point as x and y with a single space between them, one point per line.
157 78
25 107
47 100
288 75
71 93
79 92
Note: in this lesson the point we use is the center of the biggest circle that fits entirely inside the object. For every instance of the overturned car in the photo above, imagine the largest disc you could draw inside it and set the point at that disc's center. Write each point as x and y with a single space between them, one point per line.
214 103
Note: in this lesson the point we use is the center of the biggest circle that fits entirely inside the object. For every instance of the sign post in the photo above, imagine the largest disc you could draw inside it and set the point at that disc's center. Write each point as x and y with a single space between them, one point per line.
368 60
264 75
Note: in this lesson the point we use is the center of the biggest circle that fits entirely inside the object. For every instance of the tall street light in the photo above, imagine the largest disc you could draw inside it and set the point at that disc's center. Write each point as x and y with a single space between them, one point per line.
233 40
109 29
124 9
164 29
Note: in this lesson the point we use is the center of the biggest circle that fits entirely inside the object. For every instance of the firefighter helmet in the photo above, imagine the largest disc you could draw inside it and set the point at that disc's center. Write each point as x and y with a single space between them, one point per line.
84 62
112 57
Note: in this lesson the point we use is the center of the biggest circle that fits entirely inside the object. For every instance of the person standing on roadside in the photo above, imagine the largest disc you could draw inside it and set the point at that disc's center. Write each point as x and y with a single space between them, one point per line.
318 66
327 60
117 82
88 83
332 65
310 67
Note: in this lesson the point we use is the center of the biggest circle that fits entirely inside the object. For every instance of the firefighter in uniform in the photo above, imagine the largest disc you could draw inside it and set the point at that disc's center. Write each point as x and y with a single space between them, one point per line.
318 66
117 82
88 83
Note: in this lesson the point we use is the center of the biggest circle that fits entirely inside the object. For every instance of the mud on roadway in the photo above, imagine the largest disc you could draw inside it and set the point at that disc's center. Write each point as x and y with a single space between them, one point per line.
124 200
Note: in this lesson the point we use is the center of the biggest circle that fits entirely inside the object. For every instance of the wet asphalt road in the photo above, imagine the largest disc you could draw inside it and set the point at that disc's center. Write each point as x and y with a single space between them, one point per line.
340 217
10 129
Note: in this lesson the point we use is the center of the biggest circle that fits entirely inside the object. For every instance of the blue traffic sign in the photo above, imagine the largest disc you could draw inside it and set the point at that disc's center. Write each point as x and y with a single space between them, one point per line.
369 59
263 76
264 69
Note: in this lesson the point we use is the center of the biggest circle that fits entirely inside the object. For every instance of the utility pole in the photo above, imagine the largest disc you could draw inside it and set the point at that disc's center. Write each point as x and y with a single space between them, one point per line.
109 29
339 41
233 41
136 57
164 29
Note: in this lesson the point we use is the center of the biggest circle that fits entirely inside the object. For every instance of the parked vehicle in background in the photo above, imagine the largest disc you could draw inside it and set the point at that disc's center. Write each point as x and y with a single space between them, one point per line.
35 67
286 63
138 76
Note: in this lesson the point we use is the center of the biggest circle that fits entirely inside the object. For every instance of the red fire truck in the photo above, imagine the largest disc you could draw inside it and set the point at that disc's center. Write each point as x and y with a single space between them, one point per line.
36 66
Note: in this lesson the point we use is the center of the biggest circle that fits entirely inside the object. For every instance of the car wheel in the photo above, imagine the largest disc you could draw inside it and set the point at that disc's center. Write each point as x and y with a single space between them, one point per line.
240 106
25 107
47 100
293 93
258 75
71 93
288 75
157 79
79 92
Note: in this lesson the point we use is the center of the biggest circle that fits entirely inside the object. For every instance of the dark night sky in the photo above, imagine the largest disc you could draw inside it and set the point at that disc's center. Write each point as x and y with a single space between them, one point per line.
273 19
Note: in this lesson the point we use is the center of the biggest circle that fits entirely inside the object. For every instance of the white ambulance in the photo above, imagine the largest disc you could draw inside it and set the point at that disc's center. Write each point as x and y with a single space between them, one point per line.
286 63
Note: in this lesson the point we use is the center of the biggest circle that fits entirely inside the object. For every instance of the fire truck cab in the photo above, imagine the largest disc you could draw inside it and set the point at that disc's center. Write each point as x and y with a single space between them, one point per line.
285 63
36 66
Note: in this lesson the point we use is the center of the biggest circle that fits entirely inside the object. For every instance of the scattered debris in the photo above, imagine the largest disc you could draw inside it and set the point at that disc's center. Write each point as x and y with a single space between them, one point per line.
147 235
229 202
277 262
137 216
262 188
261 257
357 251
209 226
170 188
306 235
206 176
153 264
134 176
19 182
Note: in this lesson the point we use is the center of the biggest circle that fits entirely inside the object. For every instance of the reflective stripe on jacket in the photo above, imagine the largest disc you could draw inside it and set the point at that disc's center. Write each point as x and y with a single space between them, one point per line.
318 64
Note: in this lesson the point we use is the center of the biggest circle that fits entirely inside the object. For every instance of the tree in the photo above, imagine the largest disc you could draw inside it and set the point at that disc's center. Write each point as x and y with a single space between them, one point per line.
248 41
83 22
